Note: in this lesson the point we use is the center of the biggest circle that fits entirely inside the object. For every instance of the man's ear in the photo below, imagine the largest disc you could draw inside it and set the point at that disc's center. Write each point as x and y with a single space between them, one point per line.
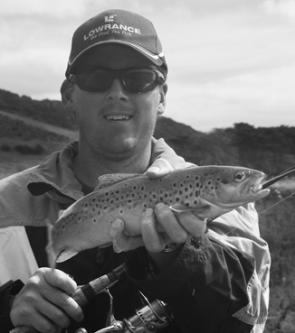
66 91
162 104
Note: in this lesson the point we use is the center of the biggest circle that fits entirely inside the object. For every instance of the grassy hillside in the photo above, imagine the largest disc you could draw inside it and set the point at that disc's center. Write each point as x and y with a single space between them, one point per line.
269 149
15 136
48 111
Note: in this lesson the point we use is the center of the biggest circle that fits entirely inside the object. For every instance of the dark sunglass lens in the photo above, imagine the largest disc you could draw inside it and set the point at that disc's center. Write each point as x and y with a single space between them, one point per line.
139 80
134 81
97 81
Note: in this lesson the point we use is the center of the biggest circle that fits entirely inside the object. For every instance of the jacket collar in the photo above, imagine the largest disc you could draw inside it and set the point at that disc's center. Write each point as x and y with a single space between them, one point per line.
55 176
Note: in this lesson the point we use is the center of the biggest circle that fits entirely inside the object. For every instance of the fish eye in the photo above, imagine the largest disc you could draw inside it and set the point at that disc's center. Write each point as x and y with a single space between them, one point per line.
240 176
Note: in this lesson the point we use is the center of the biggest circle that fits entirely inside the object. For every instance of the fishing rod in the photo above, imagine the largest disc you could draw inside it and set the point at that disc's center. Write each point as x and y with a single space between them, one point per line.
273 180
283 174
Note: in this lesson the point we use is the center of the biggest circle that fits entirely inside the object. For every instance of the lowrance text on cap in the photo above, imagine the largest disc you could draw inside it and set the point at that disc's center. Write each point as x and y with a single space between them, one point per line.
121 27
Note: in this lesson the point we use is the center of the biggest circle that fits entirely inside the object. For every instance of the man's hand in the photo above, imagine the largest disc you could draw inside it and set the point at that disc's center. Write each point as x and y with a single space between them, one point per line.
164 227
45 302
165 160
164 232
163 166
161 227
160 167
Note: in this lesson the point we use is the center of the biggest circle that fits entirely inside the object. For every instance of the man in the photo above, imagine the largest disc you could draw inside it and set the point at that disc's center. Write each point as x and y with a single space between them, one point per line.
210 281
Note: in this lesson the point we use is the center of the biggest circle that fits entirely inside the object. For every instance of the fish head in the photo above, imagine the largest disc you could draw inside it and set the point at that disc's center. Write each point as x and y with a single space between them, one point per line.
235 186
227 187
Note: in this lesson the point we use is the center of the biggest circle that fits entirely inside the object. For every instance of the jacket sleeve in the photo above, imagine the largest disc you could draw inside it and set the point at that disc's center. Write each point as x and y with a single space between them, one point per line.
7 293
240 230
161 151
204 287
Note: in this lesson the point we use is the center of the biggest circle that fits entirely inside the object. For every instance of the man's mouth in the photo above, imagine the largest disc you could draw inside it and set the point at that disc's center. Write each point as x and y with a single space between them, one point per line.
117 117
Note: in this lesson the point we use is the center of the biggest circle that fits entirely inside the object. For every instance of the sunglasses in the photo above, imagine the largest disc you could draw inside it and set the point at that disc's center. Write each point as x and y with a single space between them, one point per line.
133 80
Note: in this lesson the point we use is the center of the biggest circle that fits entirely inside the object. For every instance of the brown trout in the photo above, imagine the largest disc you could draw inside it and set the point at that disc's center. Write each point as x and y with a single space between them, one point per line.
207 191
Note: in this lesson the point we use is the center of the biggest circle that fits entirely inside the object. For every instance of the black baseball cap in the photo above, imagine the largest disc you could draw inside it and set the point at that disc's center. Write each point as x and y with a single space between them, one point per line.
119 27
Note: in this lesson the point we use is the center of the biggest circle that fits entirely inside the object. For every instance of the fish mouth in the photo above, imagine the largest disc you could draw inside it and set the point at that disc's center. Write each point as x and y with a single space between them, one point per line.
229 205
258 189
255 188
259 192
257 183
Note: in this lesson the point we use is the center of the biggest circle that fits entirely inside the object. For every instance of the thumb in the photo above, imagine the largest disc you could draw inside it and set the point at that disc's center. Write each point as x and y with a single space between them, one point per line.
160 167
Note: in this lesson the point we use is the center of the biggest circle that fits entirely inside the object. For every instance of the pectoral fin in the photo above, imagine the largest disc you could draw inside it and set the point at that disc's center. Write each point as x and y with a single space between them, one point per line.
54 257
65 255
199 210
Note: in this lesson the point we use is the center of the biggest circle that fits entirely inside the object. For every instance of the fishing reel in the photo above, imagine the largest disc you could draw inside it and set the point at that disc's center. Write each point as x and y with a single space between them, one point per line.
151 318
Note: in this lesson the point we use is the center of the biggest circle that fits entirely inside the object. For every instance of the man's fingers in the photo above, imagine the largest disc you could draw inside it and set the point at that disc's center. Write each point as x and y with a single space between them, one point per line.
169 223
34 311
121 241
28 316
50 292
151 237
63 288
158 230
159 168
59 279
51 315
64 302
41 323
195 226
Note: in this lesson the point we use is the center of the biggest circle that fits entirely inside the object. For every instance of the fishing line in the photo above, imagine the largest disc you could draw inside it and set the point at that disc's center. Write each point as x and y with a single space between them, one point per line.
273 180
277 203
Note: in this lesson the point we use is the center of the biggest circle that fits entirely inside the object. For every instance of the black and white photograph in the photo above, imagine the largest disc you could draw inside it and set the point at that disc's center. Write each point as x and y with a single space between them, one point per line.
147 166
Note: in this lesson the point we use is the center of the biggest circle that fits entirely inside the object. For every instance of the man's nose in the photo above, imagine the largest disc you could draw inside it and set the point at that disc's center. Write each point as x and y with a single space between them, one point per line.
116 90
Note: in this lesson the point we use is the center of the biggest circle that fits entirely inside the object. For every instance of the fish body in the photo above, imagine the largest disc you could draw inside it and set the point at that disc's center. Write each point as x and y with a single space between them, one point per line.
207 191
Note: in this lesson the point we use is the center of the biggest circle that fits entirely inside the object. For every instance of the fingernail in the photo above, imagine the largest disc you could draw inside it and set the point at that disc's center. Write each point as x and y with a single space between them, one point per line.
153 169
116 247
160 205
116 226
148 212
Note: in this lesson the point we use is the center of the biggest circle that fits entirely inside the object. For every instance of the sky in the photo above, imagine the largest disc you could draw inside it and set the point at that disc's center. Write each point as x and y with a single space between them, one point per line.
229 61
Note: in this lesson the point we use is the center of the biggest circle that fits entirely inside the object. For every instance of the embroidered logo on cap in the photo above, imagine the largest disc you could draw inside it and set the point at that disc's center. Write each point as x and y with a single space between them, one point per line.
109 18
111 26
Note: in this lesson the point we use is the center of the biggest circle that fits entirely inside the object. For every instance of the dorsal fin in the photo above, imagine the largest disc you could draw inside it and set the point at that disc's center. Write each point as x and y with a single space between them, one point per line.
113 178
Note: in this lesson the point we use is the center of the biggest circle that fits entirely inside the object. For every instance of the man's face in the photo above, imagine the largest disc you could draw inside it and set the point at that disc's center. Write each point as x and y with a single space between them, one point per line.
116 122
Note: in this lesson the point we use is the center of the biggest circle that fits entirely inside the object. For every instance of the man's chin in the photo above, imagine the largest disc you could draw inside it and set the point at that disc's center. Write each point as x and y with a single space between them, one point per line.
123 146
129 143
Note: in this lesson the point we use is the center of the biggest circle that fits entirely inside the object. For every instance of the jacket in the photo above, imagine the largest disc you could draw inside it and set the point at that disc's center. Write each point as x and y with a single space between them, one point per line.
218 284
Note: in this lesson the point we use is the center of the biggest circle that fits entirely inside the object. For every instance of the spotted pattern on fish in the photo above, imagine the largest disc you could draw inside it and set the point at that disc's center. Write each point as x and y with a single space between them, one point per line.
210 191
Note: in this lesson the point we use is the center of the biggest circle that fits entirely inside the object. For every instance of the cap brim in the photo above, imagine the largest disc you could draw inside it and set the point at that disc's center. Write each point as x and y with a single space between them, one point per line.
155 59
